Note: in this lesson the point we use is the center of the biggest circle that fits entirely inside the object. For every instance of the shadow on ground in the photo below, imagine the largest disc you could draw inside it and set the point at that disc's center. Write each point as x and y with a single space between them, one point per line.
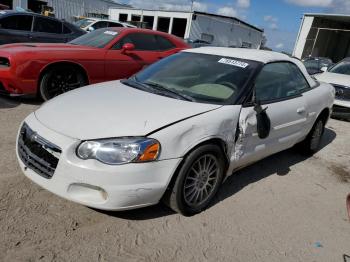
279 164
12 102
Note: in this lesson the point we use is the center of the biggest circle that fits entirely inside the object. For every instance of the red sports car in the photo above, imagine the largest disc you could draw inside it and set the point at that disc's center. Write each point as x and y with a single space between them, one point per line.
106 54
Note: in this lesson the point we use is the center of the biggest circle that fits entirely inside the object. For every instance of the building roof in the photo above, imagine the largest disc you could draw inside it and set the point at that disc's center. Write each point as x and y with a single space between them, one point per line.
230 17
200 13
334 17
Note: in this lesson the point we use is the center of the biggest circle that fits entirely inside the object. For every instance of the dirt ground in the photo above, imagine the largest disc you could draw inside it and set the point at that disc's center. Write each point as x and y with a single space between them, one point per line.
284 208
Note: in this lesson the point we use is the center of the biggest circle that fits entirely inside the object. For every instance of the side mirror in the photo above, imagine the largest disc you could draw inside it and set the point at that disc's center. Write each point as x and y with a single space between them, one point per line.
128 47
90 29
263 121
324 69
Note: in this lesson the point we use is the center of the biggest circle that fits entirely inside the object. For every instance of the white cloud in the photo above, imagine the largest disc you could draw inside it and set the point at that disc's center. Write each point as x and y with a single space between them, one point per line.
270 18
274 26
271 21
227 11
279 46
312 3
340 6
243 4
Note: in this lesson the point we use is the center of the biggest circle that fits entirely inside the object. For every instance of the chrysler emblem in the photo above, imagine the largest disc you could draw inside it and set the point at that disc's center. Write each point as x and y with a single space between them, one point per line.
34 137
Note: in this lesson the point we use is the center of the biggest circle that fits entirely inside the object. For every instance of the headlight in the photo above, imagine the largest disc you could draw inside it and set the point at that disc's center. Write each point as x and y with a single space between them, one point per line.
4 62
117 151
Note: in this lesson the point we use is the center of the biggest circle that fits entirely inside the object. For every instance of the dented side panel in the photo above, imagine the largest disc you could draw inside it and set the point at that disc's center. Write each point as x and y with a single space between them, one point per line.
220 123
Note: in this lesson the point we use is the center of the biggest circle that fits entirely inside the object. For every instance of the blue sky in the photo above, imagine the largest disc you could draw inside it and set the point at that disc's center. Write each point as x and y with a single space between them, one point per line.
279 18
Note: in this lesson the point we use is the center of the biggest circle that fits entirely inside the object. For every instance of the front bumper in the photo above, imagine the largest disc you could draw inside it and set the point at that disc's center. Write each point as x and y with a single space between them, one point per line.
341 109
12 85
97 185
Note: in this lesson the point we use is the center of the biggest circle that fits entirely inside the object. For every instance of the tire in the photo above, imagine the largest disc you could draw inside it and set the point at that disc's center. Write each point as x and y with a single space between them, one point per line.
61 79
193 189
312 142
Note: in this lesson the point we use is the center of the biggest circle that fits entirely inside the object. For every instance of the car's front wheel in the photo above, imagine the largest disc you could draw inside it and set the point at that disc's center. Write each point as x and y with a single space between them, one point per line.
61 79
197 181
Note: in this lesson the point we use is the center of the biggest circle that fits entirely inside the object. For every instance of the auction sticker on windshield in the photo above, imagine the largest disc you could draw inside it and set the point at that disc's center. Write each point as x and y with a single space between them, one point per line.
233 62
110 33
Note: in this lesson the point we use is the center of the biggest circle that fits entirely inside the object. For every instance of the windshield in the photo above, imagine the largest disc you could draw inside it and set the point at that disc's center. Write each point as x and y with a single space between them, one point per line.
84 23
98 38
341 68
199 77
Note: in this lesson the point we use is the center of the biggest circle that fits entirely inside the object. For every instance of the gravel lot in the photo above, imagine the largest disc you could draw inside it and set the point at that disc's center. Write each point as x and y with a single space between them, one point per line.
284 208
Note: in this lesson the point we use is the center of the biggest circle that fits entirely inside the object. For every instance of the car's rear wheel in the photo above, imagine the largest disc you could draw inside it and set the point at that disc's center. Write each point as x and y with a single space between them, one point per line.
197 181
312 142
61 79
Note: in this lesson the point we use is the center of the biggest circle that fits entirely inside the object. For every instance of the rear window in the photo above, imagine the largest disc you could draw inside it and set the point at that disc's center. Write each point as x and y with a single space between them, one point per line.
164 44
99 38
46 25
17 22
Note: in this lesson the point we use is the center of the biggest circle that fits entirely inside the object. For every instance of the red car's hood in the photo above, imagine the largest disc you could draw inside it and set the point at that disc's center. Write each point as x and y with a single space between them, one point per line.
25 47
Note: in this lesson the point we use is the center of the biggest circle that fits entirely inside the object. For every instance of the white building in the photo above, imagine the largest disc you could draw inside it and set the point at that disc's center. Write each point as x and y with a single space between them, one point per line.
215 29
324 35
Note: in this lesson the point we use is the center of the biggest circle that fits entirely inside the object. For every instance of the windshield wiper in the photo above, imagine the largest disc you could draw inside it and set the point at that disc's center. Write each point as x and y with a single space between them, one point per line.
161 88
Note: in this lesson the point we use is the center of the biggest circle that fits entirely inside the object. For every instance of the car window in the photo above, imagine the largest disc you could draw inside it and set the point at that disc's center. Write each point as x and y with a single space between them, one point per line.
66 29
142 42
17 22
205 78
46 25
341 68
98 38
278 81
164 44
101 24
112 24
84 22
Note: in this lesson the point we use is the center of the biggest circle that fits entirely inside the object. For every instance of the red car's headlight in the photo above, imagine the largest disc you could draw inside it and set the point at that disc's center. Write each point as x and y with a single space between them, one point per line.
4 62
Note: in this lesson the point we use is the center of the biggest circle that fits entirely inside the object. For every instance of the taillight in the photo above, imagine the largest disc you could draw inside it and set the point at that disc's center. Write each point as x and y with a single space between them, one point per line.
4 62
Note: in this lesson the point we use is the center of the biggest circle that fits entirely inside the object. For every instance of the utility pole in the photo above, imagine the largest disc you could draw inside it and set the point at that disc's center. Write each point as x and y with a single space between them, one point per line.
192 3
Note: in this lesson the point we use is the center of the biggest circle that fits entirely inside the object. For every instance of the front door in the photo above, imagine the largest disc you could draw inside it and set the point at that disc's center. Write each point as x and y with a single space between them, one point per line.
121 65
279 88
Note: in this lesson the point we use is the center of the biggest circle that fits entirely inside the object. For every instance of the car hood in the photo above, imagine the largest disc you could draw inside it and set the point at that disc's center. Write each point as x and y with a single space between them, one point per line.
332 78
35 47
112 109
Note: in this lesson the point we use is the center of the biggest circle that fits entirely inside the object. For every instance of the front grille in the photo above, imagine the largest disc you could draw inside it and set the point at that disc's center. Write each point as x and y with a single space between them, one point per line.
342 92
37 153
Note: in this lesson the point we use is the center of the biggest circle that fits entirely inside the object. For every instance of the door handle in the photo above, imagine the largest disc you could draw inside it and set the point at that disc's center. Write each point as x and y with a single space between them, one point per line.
301 110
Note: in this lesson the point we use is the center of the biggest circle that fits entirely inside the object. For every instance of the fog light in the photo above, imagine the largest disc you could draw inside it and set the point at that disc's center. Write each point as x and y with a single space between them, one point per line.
87 193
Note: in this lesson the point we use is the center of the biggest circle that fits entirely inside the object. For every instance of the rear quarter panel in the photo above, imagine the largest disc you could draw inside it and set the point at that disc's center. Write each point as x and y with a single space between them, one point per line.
318 99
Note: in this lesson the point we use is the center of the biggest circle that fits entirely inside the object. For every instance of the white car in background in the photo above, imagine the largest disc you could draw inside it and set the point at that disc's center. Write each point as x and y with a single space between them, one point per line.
339 76
174 131
91 24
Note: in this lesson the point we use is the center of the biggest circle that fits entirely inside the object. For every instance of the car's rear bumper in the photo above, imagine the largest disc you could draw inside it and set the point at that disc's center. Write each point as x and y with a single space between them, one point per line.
12 85
97 185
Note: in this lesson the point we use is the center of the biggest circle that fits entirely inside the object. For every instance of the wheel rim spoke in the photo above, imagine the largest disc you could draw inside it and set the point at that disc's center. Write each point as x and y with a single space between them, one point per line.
201 180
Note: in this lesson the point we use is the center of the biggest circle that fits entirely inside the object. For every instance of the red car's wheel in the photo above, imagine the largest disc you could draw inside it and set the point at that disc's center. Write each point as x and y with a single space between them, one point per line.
61 79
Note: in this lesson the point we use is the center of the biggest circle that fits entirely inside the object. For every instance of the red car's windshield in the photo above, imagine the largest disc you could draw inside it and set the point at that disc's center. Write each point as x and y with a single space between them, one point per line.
99 38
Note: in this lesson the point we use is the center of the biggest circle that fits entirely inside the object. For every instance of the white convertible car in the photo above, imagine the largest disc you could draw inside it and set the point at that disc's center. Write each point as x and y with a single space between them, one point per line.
174 131
339 76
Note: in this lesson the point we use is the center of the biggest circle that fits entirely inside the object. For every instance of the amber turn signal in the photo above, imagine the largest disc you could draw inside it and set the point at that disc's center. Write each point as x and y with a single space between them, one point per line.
151 153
